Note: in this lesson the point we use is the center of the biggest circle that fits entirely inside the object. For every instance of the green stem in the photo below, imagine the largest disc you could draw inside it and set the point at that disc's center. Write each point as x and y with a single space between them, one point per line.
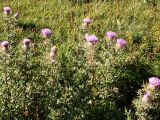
25 82
92 50
7 86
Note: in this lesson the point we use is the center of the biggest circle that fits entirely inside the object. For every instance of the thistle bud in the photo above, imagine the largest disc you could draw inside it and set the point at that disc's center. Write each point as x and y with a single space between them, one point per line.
26 44
16 16
5 46
86 22
53 53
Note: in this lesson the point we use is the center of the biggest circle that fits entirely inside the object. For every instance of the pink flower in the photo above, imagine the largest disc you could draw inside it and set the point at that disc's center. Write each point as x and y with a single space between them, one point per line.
46 33
7 10
111 35
147 97
87 21
5 44
91 38
154 81
121 43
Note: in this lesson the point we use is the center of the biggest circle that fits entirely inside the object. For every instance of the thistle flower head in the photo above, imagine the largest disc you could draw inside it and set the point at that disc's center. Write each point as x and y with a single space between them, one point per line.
146 98
5 44
7 10
46 33
91 38
87 21
111 35
154 81
121 43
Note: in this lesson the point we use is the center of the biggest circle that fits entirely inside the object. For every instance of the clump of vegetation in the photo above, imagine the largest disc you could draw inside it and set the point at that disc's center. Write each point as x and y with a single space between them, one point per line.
66 60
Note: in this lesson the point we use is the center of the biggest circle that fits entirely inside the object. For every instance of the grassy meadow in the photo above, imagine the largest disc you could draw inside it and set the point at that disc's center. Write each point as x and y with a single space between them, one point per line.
84 82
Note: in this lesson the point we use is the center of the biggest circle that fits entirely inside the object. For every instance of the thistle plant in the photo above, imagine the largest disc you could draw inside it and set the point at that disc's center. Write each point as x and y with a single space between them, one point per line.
147 104
26 51
109 70
92 41
6 112
10 23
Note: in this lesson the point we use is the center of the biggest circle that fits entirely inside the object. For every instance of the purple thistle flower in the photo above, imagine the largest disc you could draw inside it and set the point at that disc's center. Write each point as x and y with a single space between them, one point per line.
26 41
154 81
111 35
121 43
5 44
7 10
146 98
91 38
87 21
46 33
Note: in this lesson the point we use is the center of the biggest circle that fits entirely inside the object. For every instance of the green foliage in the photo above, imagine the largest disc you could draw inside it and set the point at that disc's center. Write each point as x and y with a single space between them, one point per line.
84 82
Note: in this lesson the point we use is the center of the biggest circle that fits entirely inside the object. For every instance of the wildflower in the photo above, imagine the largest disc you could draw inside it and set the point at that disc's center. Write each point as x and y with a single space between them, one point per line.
87 21
7 10
121 43
154 81
16 16
91 39
46 33
53 53
26 44
147 97
5 46
111 35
